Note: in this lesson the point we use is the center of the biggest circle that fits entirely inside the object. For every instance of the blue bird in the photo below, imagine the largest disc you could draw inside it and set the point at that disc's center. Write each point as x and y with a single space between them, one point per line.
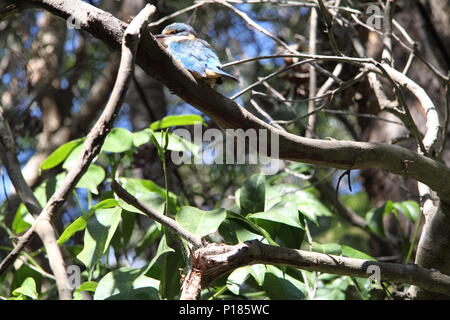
195 54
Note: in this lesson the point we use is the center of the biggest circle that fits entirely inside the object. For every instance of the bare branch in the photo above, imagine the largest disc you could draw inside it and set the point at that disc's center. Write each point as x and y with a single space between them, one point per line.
312 73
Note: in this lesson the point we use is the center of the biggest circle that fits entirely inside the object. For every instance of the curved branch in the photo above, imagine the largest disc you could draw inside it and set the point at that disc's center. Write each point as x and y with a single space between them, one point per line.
156 62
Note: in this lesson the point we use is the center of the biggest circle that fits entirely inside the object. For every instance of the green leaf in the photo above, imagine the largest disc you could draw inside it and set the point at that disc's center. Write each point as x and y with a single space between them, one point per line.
249 225
410 209
98 234
92 178
353 253
283 212
150 236
176 142
72 157
258 272
237 278
235 231
309 210
306 202
200 222
281 286
132 284
127 227
23 219
309 206
151 199
375 217
360 286
118 140
60 154
176 120
25 271
87 286
80 223
330 294
140 187
291 237
163 249
141 137
127 284
334 289
165 266
252 195
328 248
28 289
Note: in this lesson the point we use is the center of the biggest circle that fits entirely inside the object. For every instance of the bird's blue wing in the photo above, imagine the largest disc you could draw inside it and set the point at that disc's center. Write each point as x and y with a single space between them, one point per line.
212 60
185 52
197 56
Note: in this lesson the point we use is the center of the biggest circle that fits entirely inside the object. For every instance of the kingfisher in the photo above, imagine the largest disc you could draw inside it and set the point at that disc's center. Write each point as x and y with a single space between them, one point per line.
195 54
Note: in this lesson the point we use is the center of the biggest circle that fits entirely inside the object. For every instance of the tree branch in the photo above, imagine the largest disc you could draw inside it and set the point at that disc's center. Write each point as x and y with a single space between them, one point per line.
97 135
153 214
42 227
156 62
215 260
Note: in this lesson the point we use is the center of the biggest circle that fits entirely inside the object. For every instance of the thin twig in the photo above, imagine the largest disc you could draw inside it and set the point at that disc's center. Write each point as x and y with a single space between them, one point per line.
264 79
163 219
329 27
264 113
176 14
312 73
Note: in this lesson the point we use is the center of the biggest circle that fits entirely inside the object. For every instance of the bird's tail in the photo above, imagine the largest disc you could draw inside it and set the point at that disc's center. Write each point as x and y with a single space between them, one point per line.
228 76
219 73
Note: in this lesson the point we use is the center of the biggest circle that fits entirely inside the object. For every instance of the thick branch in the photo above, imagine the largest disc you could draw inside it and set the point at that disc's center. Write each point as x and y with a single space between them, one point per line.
226 113
216 259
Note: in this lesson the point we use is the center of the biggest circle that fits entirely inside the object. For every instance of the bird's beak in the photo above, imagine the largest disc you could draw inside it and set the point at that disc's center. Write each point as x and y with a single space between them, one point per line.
161 37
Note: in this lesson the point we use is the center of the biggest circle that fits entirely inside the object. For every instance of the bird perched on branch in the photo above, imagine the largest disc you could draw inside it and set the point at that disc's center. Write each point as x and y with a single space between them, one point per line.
195 54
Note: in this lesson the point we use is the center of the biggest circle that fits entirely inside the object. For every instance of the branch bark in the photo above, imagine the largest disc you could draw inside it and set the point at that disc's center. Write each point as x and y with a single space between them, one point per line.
216 259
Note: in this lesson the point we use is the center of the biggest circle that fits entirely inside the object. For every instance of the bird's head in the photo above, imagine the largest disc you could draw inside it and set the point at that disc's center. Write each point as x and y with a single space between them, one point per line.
175 32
